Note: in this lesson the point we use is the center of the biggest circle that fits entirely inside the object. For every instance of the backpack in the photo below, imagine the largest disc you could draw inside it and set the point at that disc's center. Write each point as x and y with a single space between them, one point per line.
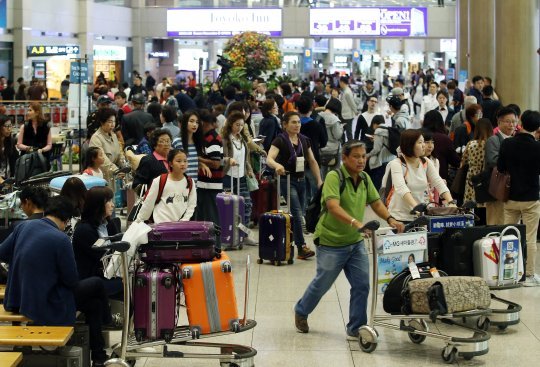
394 137
29 165
315 210
387 191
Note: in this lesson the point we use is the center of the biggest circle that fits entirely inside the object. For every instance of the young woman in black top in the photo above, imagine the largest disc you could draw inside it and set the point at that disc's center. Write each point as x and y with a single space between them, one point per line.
8 153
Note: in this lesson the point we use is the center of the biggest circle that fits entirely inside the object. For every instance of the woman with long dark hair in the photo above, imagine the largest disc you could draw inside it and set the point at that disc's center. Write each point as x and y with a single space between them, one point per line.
35 134
8 153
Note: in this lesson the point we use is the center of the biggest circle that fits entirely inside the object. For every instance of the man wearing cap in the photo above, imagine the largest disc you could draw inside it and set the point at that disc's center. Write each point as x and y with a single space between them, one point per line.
103 101
405 96
133 124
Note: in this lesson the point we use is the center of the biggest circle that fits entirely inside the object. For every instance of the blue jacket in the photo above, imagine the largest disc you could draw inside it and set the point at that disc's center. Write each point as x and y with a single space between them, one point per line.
42 273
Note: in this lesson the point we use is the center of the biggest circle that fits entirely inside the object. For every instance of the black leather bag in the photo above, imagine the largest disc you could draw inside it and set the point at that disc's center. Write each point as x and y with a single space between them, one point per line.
480 184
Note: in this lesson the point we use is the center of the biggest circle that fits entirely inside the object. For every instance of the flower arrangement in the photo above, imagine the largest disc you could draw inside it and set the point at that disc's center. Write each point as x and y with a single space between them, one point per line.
253 51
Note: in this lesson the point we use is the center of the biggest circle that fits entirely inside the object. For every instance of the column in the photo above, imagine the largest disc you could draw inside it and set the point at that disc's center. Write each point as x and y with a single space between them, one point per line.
462 31
481 22
22 35
85 37
518 61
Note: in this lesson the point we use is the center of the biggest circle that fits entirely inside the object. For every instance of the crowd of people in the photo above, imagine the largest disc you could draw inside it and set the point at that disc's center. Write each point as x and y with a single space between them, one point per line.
186 147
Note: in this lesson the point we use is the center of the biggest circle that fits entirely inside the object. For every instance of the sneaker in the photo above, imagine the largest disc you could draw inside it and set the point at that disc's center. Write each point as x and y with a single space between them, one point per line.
353 336
532 281
301 323
305 253
249 242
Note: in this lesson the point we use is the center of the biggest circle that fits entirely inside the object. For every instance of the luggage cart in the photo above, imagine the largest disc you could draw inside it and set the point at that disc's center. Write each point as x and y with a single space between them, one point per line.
129 349
416 324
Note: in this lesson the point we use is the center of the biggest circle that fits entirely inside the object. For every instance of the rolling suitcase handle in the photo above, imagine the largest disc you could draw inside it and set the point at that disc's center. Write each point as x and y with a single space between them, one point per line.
246 292
288 191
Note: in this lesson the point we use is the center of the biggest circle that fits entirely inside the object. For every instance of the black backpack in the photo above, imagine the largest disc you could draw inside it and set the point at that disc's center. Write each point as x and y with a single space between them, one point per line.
314 209
29 165
394 137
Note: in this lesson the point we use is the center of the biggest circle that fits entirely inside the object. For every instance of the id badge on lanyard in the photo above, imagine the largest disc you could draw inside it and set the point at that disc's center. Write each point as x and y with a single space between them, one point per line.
300 161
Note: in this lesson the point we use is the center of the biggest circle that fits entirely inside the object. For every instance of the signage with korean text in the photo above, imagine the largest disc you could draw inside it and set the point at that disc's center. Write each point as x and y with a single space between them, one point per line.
40 50
158 55
438 224
78 71
369 22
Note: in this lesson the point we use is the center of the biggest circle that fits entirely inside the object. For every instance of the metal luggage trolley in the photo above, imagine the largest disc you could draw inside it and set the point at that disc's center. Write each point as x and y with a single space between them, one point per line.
416 324
128 350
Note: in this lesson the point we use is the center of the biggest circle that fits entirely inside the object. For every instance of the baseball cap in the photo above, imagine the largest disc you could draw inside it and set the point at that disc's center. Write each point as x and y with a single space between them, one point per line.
397 91
394 101
138 98
104 99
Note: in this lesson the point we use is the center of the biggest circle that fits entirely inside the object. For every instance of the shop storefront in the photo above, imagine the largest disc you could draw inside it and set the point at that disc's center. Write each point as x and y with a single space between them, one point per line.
109 60
51 64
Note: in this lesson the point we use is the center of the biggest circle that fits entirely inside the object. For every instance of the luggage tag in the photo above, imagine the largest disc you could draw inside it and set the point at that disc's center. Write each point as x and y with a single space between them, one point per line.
434 272
244 229
415 274
300 164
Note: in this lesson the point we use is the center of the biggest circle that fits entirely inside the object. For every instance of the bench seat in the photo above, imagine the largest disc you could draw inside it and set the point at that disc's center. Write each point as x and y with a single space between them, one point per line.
10 359
34 336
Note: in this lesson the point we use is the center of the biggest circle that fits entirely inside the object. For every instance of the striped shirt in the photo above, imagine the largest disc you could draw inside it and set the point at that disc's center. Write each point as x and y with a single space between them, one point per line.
193 162
213 149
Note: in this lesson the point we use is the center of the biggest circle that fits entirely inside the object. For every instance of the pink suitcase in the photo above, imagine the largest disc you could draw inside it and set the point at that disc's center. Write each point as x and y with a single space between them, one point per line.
155 300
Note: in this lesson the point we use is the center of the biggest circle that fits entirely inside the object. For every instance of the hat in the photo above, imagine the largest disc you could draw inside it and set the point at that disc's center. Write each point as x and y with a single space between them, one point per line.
394 101
138 98
397 91
334 105
104 99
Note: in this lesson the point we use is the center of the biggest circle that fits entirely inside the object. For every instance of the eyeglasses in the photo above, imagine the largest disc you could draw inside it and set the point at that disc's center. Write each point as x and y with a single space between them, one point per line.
164 142
8 126
509 121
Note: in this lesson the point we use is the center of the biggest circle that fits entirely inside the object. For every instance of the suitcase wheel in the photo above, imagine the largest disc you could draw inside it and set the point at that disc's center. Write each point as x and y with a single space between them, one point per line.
195 333
277 263
235 327
290 261
259 261
140 282
139 335
167 335
167 282
186 273
226 267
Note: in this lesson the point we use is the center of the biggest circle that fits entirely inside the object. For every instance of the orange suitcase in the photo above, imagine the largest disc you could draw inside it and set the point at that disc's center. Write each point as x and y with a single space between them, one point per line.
210 296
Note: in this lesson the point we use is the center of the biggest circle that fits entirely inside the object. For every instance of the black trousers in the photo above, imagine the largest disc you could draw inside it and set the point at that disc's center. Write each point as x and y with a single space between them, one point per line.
207 208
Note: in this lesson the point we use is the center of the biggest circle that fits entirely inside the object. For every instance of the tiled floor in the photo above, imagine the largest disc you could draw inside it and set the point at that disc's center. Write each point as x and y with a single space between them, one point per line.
274 290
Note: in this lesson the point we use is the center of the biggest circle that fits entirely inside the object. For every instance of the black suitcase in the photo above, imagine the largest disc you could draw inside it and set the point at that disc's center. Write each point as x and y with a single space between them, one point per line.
455 247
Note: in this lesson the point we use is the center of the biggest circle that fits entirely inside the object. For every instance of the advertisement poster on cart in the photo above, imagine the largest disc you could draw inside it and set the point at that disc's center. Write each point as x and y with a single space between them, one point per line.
396 243
392 264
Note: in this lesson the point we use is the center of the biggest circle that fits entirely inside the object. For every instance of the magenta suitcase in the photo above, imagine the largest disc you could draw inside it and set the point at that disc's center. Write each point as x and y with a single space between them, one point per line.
155 294
231 210
179 242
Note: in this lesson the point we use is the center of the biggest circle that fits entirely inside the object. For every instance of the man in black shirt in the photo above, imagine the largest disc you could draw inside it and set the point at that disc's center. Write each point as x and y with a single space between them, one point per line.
489 105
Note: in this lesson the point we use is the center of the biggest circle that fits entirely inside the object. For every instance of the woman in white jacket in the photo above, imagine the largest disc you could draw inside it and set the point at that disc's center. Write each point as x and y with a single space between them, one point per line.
412 176
379 156
330 154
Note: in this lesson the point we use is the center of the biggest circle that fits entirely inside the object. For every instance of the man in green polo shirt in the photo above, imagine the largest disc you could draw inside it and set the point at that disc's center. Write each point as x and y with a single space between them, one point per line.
340 245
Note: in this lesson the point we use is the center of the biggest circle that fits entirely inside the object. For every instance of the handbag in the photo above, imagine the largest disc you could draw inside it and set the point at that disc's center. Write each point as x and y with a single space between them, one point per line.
458 185
499 185
480 184
252 183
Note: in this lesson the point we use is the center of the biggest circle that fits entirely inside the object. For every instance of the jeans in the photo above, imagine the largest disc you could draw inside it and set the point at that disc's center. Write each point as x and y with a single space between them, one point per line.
207 208
311 187
348 129
243 192
377 175
353 260
298 193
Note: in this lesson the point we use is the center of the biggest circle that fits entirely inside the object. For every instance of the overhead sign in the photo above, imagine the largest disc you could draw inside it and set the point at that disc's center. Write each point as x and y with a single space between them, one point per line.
40 50
374 22
78 72
308 59
367 46
223 22
109 52
158 55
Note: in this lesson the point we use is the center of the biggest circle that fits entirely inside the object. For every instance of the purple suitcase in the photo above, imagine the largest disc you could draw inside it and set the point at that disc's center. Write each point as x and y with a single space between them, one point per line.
231 210
180 242
155 294
275 232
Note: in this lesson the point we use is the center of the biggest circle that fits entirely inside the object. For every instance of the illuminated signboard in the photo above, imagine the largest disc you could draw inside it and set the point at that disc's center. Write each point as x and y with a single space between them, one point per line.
369 22
222 22
39 50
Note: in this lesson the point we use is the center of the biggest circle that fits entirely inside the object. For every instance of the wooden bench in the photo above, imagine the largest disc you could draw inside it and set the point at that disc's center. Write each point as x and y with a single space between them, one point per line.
35 336
7 316
10 359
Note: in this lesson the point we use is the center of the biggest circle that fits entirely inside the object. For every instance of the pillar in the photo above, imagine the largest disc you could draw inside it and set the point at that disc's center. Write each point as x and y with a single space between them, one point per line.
462 31
481 20
518 54
22 35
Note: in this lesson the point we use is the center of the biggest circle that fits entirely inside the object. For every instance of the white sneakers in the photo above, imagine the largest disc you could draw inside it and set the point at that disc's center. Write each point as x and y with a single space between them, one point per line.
532 281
